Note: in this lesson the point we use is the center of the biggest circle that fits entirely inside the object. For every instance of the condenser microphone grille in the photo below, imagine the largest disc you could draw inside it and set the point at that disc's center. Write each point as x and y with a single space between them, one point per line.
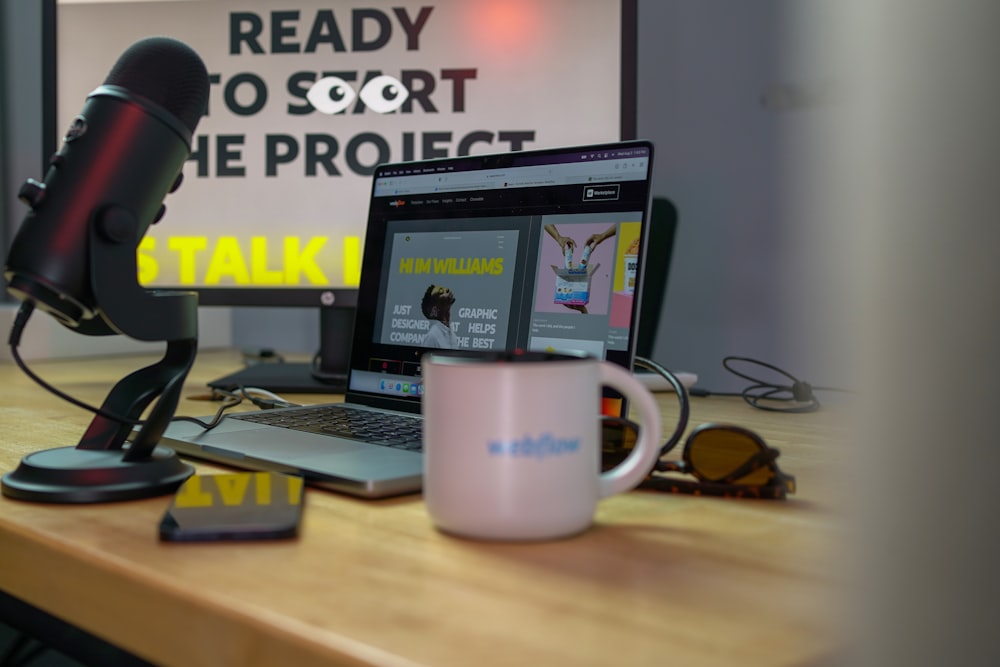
167 72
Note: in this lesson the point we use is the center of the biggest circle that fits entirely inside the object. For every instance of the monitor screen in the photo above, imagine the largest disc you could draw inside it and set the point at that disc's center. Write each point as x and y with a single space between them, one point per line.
308 98
540 250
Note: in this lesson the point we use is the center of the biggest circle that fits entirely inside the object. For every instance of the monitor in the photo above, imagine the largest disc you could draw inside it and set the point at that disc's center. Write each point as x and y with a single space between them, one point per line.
308 98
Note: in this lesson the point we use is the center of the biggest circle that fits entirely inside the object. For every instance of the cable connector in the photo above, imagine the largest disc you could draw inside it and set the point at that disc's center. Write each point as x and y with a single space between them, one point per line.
20 321
802 392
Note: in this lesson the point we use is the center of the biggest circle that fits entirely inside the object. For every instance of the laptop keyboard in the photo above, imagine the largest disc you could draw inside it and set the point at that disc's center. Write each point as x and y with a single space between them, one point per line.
377 428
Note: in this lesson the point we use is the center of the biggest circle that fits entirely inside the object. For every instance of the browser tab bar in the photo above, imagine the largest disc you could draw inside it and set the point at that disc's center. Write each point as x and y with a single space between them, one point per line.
594 168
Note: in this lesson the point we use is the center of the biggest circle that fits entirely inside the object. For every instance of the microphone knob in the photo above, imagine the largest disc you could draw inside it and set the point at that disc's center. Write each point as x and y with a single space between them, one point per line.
117 225
32 193
177 182
160 214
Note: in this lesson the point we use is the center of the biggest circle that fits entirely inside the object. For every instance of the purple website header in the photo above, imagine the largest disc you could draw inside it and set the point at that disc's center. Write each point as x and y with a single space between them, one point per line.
529 158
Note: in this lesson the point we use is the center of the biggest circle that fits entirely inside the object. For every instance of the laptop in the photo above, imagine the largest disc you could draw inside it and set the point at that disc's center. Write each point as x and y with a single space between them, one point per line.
537 250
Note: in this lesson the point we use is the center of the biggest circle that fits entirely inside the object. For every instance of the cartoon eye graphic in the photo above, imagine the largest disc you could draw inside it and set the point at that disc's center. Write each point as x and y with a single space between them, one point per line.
330 95
384 94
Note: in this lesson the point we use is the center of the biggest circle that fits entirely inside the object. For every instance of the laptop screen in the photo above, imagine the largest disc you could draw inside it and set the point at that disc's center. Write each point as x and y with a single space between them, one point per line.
538 250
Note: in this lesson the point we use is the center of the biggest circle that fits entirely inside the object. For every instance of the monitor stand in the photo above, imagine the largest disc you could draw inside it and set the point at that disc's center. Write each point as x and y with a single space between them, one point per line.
326 375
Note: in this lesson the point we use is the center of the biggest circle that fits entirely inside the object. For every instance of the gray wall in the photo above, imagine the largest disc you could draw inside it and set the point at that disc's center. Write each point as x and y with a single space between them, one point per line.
703 65
21 124
736 96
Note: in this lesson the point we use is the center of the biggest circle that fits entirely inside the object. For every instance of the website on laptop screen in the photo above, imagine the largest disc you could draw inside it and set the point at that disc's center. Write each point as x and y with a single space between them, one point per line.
536 250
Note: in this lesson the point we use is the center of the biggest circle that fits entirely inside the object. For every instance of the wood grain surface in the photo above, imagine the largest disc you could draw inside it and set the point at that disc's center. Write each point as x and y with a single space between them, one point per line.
658 579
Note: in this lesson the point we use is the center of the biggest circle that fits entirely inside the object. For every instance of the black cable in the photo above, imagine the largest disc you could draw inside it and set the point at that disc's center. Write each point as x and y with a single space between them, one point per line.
795 396
14 340
216 418
20 321
23 315
703 393
264 399
682 399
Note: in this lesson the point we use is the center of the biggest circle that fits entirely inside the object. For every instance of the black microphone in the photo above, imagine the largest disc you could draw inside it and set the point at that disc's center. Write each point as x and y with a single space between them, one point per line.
120 158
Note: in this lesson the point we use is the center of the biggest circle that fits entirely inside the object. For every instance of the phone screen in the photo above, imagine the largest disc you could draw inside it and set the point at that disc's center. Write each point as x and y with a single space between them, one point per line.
235 506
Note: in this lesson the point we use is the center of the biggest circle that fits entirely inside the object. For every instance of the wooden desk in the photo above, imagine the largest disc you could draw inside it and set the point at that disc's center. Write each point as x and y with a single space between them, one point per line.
659 579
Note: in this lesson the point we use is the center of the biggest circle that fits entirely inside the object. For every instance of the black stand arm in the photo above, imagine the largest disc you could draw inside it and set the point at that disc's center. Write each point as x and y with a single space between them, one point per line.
133 394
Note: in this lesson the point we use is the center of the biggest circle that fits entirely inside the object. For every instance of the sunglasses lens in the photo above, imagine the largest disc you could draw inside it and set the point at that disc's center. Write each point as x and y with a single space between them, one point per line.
717 452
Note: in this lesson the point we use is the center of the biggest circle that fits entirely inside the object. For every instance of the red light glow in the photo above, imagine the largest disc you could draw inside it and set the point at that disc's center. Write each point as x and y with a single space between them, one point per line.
506 24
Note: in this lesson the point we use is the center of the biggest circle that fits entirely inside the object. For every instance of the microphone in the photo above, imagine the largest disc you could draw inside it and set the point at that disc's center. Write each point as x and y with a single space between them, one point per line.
120 157
74 256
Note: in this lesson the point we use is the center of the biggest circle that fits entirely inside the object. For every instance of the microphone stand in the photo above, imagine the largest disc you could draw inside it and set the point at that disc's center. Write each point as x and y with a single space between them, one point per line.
103 467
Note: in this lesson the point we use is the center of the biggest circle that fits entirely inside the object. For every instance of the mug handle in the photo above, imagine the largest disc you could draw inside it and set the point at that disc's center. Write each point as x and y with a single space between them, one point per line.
629 473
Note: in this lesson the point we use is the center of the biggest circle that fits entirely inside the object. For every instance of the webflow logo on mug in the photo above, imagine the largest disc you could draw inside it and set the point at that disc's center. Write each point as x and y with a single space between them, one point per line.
541 447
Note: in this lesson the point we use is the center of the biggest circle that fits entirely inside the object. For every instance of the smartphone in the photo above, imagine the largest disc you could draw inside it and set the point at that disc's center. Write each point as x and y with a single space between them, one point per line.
235 506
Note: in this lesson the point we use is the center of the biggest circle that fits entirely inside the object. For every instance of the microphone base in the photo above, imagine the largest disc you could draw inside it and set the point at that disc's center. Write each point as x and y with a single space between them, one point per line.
70 475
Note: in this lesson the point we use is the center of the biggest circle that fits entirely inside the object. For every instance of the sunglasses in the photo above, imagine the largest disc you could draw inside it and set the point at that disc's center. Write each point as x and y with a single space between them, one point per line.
724 460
